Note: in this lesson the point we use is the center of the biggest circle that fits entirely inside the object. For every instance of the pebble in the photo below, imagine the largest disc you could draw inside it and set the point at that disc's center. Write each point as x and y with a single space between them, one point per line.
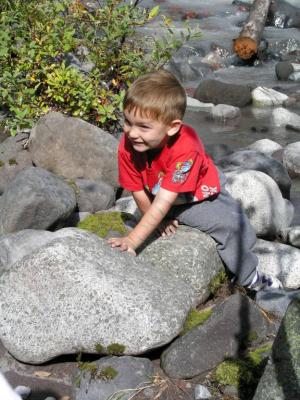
283 70
225 111
201 393
196 105
23 391
266 97
295 76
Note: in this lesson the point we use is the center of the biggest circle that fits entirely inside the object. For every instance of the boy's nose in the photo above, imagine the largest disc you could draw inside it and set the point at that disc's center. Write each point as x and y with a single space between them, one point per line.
133 133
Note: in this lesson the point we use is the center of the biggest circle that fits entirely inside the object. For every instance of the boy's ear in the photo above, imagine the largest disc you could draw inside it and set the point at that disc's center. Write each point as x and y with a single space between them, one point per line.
174 127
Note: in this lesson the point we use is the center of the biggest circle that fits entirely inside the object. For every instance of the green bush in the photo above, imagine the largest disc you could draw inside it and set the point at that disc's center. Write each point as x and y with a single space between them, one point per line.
36 38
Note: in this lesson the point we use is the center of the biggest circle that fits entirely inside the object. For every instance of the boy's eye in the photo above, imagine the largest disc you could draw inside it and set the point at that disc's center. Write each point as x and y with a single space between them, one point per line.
145 126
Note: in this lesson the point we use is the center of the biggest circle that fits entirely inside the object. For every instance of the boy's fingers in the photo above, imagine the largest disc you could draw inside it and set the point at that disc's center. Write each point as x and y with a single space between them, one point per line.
112 241
131 251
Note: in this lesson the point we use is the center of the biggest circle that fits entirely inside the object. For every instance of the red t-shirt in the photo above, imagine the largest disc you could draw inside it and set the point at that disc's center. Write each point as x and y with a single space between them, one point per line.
182 167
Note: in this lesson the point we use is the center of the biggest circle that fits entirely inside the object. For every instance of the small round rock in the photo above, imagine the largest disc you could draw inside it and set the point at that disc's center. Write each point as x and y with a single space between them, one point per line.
201 392
23 391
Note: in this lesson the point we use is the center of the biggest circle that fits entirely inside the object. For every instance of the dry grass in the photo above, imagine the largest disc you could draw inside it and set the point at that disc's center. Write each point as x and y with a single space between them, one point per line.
165 389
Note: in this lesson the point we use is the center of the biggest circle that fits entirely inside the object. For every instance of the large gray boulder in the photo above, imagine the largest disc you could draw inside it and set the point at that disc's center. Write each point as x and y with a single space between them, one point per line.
73 148
35 199
222 335
130 373
190 255
281 378
268 212
255 160
276 301
76 294
291 159
279 260
217 92
15 246
93 196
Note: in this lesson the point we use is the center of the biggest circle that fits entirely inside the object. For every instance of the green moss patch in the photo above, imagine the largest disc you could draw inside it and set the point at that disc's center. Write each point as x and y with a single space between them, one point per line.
242 372
233 373
217 282
116 349
105 373
12 161
108 373
99 348
90 367
258 355
103 222
195 318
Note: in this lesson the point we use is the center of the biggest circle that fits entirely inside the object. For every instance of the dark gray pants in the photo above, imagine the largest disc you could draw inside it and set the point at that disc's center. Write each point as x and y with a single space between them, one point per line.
225 221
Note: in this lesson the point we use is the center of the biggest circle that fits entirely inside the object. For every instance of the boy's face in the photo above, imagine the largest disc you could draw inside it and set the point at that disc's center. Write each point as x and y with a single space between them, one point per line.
146 133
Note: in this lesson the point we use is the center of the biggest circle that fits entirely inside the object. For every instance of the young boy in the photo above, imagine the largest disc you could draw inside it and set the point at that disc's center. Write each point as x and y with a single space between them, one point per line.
163 163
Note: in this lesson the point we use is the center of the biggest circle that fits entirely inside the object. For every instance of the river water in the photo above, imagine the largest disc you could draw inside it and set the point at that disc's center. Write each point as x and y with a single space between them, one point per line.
220 22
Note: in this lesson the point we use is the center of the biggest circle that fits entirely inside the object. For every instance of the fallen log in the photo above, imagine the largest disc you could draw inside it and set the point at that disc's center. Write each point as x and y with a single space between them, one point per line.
247 44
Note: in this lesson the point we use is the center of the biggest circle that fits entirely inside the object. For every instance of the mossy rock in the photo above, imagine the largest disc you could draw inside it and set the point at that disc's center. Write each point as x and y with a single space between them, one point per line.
104 222
106 373
234 373
195 318
238 372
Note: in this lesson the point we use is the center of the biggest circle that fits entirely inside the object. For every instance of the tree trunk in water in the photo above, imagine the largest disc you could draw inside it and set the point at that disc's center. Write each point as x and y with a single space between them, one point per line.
246 45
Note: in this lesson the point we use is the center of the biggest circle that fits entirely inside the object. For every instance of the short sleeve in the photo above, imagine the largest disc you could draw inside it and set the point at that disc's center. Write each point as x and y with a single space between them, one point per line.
183 173
129 177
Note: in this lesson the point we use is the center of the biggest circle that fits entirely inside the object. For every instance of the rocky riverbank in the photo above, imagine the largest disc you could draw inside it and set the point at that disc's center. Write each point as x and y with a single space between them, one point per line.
81 321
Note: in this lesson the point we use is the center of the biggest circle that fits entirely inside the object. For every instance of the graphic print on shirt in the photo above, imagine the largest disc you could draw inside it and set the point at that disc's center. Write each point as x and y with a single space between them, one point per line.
208 191
181 172
156 187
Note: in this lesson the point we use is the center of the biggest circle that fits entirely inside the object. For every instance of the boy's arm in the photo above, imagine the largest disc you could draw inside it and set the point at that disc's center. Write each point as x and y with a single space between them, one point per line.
149 222
143 200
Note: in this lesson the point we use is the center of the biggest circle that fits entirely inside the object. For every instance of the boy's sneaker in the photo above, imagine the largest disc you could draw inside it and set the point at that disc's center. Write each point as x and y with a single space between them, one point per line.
264 282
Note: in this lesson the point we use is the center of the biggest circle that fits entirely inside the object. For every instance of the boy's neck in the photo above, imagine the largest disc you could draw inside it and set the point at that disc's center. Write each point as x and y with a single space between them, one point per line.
151 154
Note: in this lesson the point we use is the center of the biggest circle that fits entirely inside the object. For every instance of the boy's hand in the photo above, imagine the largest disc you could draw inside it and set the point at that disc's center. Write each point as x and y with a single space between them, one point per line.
168 227
124 243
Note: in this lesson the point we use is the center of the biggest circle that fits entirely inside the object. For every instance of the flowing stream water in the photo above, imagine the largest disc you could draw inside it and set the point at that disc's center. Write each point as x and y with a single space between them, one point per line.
220 22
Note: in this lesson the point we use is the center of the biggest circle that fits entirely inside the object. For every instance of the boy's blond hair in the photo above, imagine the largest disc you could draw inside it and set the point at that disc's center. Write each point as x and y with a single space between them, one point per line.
157 95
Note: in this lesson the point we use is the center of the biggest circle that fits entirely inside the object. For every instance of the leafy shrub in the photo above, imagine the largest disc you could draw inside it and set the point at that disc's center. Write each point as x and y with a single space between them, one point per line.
37 39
